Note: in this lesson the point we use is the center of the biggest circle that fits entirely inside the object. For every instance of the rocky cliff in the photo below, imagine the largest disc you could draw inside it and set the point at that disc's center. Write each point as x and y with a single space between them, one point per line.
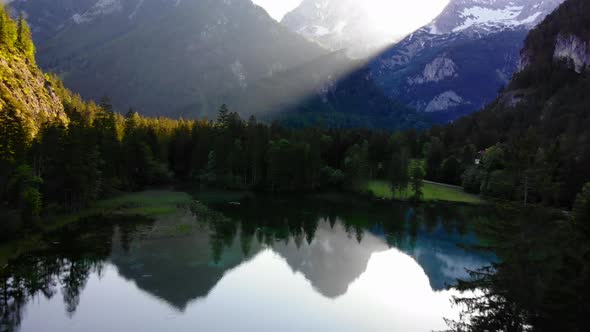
563 36
23 86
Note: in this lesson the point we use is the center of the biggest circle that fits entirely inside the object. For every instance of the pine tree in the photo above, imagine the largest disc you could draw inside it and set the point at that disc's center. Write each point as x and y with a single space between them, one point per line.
13 135
223 116
416 179
581 211
24 40
398 165
7 29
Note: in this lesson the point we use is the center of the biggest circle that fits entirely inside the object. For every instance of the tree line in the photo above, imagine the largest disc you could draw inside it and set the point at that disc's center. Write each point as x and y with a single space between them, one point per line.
533 152
16 35
68 166
99 152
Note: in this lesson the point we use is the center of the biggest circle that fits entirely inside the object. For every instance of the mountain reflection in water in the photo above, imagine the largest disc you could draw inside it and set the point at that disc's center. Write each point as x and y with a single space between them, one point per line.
299 265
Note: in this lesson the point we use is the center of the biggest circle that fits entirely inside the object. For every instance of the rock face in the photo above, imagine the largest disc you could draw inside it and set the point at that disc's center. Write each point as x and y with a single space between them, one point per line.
25 87
439 69
444 101
100 8
573 48
48 17
563 36
456 64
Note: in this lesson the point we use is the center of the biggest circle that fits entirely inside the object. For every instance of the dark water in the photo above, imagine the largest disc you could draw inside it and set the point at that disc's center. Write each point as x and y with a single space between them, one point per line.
264 265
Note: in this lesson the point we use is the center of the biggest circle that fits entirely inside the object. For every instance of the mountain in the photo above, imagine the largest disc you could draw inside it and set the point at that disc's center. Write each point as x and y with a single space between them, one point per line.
186 58
330 91
162 56
338 25
541 119
26 94
49 17
456 64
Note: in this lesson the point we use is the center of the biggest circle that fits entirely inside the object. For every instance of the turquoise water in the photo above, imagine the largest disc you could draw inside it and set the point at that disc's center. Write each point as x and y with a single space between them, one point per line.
268 265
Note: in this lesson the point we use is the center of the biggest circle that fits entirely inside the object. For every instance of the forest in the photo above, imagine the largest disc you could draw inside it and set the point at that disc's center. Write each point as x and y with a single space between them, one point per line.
502 152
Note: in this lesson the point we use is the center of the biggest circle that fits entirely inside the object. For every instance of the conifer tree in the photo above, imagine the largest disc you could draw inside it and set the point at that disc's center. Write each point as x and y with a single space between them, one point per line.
416 177
24 40
581 211
7 29
13 135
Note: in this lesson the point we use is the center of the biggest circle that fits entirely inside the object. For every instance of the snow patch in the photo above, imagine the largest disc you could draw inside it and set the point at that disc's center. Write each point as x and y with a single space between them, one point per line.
238 70
100 8
507 16
137 7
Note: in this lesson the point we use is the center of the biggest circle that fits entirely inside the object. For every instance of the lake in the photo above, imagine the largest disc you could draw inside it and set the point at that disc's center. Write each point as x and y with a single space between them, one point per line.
323 263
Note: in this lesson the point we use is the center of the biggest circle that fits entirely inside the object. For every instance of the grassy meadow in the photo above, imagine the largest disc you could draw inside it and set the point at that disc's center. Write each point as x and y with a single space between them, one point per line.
431 191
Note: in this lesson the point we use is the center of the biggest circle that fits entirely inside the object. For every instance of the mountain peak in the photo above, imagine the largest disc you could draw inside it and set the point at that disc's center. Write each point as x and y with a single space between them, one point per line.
339 24
486 15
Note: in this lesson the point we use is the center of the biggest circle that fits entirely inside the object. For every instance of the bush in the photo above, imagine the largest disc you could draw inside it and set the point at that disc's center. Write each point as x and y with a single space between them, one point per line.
581 212
499 184
31 205
472 179
332 177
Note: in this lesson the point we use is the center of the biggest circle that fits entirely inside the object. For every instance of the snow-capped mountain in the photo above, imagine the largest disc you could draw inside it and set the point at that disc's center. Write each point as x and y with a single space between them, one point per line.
490 15
457 63
337 25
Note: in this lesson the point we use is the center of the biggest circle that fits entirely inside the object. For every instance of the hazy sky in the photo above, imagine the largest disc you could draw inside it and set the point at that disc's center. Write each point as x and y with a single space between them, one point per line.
278 8
398 17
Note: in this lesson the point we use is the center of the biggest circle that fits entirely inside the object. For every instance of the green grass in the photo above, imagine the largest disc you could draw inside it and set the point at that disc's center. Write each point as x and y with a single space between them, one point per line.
431 191
12 249
220 196
151 203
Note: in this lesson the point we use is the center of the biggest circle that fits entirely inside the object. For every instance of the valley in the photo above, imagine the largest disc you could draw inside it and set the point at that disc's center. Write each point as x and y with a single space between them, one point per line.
202 158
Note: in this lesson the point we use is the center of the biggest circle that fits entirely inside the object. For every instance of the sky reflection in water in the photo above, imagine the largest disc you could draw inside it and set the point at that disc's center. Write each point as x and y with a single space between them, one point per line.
331 283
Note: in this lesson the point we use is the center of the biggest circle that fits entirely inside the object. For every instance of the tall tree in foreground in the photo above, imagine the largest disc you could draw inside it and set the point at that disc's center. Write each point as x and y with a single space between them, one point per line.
399 165
416 179
582 210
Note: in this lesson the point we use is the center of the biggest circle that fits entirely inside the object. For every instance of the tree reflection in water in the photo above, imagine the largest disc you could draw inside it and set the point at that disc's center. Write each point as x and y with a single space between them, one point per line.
76 252
329 241
541 284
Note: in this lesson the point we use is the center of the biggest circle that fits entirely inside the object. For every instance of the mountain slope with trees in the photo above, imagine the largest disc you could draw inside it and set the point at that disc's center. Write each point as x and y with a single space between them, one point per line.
186 58
538 150
160 56
532 142
67 162
25 93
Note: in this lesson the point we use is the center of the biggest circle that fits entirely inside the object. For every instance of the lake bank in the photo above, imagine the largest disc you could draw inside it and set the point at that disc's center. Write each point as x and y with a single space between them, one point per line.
150 204
432 192
157 203
334 252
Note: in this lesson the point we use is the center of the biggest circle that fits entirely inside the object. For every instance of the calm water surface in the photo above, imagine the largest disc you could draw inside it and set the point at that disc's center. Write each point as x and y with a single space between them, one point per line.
265 265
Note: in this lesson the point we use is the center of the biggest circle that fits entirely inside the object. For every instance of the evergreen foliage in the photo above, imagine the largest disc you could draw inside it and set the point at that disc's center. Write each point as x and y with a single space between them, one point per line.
24 39
417 179
582 210
7 29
